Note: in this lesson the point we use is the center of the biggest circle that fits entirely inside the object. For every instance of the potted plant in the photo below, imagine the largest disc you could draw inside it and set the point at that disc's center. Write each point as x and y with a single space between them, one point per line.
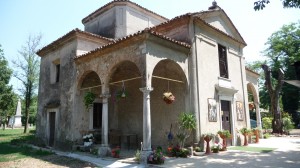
245 132
187 123
156 157
168 97
89 98
216 148
207 138
88 140
116 152
256 132
224 134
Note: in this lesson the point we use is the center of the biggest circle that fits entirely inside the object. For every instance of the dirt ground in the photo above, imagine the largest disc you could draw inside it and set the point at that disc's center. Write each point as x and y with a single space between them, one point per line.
51 161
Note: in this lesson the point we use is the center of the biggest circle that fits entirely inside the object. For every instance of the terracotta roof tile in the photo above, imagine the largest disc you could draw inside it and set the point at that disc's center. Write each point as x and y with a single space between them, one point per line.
115 1
57 42
134 35
188 15
250 70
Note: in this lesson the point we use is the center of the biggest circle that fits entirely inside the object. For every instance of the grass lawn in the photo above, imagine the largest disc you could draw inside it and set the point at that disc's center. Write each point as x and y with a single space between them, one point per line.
252 149
9 152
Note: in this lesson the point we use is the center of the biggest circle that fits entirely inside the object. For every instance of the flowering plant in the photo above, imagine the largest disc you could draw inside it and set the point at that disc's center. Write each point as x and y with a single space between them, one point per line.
168 97
156 157
116 152
88 138
216 147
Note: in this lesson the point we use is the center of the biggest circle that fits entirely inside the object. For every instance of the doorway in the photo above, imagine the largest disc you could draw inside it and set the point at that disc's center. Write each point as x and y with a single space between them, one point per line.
226 119
51 128
97 115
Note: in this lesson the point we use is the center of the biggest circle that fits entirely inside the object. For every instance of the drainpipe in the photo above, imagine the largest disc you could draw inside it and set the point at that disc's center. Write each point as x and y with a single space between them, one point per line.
194 99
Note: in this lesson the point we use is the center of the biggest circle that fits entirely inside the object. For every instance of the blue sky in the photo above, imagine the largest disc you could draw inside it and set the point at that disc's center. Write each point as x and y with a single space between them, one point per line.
54 18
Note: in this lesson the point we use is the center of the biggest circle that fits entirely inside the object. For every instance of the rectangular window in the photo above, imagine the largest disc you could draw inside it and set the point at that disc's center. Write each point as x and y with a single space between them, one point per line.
223 61
57 72
97 116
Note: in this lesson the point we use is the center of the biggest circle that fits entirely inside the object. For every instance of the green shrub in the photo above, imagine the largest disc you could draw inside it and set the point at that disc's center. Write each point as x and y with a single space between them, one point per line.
287 124
137 156
198 149
267 123
266 135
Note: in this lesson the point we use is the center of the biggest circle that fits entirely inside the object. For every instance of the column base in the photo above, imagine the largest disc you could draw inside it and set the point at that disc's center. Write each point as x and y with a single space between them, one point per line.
144 156
104 150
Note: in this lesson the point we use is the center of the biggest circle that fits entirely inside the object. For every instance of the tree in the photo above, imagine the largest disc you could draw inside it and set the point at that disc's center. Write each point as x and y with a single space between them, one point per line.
260 5
6 96
28 72
283 50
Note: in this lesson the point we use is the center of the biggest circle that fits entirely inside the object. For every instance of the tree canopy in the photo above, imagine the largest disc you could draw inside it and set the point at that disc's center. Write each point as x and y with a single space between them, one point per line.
260 5
6 96
28 72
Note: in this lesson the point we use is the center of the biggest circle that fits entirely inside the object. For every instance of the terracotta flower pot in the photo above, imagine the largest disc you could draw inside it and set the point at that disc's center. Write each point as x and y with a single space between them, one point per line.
256 133
207 140
245 139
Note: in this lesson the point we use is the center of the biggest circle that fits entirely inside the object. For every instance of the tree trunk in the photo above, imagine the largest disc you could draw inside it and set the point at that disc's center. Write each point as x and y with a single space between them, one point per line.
274 93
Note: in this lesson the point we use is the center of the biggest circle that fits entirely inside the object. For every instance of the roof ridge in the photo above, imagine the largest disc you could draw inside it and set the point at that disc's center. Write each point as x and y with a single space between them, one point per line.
115 1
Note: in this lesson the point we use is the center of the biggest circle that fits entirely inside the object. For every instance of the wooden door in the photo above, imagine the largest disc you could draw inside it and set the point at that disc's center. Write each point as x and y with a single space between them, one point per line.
226 119
51 128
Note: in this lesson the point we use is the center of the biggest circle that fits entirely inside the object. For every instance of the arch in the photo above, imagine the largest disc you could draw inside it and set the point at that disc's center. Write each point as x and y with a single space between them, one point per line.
123 70
251 88
125 113
88 79
253 100
164 115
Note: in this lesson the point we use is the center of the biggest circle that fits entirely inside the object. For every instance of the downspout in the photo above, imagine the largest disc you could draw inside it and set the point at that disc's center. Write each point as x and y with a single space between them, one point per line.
194 80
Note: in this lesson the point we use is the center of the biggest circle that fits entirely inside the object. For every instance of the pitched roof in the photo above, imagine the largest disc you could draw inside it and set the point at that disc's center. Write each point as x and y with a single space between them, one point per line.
230 21
113 3
60 41
120 40
250 70
197 16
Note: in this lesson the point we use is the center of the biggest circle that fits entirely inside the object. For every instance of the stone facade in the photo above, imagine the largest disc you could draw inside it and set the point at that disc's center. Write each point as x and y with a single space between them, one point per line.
128 57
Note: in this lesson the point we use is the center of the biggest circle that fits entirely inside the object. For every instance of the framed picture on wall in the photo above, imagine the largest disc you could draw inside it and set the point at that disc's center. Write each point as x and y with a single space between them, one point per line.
239 111
212 110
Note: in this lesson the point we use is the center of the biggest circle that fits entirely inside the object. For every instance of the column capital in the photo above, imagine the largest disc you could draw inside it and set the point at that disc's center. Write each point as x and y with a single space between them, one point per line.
146 89
105 95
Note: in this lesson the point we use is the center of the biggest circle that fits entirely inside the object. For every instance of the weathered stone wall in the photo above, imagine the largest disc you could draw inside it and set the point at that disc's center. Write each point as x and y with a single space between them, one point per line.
128 62
59 96
56 95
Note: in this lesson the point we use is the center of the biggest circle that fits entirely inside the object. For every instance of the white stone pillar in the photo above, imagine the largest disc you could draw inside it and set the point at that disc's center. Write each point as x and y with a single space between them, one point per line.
104 149
258 118
105 119
146 119
146 148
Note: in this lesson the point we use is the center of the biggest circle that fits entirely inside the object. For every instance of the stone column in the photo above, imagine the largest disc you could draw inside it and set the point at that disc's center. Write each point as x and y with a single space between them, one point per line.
104 150
146 148
258 118
105 119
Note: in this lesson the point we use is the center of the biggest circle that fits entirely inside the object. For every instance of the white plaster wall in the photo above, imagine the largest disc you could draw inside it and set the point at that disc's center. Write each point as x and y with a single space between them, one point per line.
84 46
219 23
208 74
120 21
138 20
